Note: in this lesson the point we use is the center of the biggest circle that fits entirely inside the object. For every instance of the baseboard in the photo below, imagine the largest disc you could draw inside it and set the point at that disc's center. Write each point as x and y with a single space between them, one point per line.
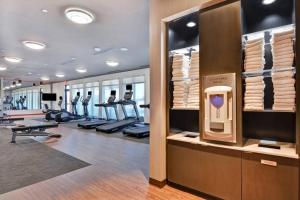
157 183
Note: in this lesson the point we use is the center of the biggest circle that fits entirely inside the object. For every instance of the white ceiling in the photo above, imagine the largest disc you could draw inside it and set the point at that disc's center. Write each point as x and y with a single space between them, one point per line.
118 23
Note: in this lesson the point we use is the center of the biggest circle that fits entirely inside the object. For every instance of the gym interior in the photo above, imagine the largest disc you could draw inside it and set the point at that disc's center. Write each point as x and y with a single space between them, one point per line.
149 99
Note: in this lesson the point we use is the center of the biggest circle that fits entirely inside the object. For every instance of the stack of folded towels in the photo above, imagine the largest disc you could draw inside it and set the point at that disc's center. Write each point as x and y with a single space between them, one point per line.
254 55
284 91
180 94
254 94
180 67
194 68
193 96
283 49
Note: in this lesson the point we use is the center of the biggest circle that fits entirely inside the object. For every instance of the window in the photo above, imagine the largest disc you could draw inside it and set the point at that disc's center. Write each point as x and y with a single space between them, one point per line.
36 99
67 98
29 100
94 88
75 89
107 87
138 86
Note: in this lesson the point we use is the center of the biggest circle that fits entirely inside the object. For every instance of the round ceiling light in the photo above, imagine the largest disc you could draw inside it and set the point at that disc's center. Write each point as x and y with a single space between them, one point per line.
79 15
60 75
112 63
34 45
191 24
13 59
268 2
45 78
97 49
3 68
124 49
81 70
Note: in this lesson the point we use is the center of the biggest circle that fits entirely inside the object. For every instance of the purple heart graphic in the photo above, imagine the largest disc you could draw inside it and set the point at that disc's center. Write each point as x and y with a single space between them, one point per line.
217 101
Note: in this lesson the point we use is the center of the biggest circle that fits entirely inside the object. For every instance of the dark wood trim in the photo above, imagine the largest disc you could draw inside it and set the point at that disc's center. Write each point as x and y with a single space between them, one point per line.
220 56
157 183
191 191
297 13
215 4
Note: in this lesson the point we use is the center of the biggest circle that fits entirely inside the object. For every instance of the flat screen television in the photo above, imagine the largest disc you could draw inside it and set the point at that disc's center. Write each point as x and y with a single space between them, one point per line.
49 97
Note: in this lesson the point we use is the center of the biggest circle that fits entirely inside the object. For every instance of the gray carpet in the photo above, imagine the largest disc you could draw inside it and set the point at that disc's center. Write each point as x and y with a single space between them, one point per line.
28 162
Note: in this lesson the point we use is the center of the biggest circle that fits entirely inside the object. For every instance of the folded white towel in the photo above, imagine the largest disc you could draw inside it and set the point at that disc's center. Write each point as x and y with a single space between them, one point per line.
276 96
259 87
283 81
284 86
254 92
249 96
276 101
284 108
256 79
285 89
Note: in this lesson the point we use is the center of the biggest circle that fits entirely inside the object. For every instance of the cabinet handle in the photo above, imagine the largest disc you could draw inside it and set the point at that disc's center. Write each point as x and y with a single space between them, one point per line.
268 162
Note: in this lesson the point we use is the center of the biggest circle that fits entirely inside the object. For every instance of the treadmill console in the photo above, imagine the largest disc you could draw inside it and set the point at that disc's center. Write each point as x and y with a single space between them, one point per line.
112 97
128 94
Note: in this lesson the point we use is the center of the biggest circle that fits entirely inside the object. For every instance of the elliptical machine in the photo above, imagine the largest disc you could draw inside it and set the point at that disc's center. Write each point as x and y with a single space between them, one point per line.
51 113
22 102
18 101
65 116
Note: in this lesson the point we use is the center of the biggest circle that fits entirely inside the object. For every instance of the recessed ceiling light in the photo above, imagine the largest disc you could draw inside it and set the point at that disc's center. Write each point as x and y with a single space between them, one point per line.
268 2
124 49
60 75
13 59
79 15
45 78
3 68
81 70
34 45
7 87
29 73
112 63
44 10
97 49
191 24
73 58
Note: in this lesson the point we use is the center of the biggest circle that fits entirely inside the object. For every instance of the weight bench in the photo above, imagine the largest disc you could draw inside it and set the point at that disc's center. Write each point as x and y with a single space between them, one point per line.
8 121
33 130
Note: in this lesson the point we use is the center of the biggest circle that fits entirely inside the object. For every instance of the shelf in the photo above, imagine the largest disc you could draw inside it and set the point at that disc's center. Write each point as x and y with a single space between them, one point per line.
184 50
185 79
267 72
269 110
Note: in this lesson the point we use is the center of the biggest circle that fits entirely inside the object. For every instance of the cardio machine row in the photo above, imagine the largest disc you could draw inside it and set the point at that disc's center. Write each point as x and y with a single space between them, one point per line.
133 126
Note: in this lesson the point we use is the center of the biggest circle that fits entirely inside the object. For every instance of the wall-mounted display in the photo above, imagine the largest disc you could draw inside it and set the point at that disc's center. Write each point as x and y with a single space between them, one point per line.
220 107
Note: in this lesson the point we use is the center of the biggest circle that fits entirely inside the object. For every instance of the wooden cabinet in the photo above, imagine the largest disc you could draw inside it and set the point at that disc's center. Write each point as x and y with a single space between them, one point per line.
220 172
269 177
214 171
183 165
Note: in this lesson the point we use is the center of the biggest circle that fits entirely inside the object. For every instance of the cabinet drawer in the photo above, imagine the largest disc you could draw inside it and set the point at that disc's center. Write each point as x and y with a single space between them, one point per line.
269 177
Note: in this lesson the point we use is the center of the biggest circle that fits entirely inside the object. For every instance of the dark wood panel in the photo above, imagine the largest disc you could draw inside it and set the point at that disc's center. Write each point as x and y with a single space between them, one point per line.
183 166
210 170
262 182
221 49
298 75
220 172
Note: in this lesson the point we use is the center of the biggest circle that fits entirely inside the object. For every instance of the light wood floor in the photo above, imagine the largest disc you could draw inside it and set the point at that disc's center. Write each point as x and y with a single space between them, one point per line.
119 170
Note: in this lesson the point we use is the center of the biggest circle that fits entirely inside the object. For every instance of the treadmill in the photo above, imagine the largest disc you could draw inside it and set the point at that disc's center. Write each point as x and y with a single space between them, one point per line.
98 122
127 121
140 129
